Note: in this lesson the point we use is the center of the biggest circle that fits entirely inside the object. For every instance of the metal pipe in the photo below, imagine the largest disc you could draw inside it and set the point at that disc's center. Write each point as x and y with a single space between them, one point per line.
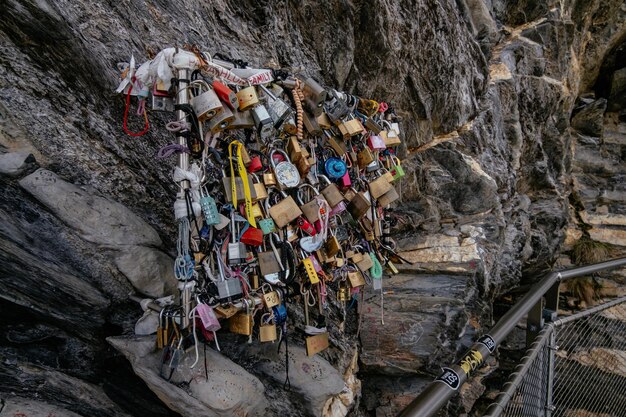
182 97
437 394
589 311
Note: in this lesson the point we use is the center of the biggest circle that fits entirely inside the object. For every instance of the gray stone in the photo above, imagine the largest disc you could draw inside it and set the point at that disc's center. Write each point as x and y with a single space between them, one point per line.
316 380
229 389
97 219
590 119
16 163
18 406
150 271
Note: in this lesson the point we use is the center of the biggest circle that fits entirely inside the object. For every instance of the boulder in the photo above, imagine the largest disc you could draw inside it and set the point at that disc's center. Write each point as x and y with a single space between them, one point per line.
150 271
97 219
16 163
224 389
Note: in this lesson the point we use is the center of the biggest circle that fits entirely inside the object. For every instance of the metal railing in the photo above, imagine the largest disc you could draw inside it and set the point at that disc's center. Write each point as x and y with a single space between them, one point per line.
575 368
542 300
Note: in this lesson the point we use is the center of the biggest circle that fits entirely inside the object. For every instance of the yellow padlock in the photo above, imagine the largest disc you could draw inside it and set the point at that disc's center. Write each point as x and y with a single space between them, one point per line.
247 98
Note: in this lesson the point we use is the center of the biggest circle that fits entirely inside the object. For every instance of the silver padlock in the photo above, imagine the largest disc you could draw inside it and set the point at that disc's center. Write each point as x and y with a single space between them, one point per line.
236 250
336 107
373 166
162 103
286 173
206 104
277 108
262 121
228 290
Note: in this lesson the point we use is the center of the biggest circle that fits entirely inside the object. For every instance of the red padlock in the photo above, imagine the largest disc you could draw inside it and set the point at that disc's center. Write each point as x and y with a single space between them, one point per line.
376 143
306 226
252 236
226 95
255 164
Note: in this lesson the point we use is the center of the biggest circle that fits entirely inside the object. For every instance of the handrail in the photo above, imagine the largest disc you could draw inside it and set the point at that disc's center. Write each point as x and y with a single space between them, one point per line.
438 392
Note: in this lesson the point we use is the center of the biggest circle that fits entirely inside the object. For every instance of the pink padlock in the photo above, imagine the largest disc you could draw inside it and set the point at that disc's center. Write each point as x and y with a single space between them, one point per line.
345 181
208 317
339 208
316 264
376 143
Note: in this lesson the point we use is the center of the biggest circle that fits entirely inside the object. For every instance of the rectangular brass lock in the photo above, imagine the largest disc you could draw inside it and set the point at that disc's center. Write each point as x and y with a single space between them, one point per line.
241 196
241 323
267 333
364 158
389 197
269 179
285 212
332 246
311 125
358 206
332 195
226 311
380 186
338 145
343 294
294 149
260 191
304 166
309 268
241 120
247 98
392 268
366 263
271 299
268 264
316 344
372 125
323 121
356 279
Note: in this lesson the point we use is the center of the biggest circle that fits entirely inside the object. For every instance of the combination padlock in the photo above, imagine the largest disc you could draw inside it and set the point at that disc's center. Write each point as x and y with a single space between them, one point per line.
209 208
335 168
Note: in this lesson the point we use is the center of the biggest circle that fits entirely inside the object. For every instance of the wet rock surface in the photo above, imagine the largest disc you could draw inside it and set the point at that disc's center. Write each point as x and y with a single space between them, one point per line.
515 135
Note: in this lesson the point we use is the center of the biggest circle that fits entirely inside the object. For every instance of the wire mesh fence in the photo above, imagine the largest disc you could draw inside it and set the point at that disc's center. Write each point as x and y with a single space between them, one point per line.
590 363
575 368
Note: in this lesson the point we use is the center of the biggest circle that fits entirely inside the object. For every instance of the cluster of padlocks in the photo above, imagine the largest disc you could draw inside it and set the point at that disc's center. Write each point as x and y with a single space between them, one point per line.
284 187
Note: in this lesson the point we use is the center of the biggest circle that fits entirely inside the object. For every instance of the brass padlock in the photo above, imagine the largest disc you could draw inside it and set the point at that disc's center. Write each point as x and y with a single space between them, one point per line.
332 246
312 208
241 323
343 294
337 144
284 212
241 196
311 125
310 271
389 197
267 332
241 120
351 128
364 157
259 188
323 121
358 206
269 179
368 107
331 193
271 299
365 263
356 279
247 98
294 149
268 264
317 343
380 186
304 166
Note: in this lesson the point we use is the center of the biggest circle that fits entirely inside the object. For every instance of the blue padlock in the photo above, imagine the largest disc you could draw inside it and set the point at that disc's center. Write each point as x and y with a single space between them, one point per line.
335 168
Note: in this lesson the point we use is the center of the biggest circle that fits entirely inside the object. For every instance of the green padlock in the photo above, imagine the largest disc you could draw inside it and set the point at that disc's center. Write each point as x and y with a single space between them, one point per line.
396 169
267 226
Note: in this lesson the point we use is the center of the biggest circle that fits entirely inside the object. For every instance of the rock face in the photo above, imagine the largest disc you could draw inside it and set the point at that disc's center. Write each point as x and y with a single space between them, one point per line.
515 129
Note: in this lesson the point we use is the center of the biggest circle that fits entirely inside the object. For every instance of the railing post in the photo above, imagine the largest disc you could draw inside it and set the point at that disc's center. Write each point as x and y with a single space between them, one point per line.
534 322
550 383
